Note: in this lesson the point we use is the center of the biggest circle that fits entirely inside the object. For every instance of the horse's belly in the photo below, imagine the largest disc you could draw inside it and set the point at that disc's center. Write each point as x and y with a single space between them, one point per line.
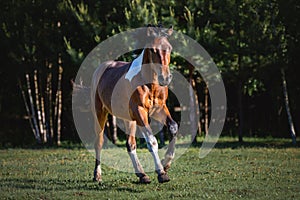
115 97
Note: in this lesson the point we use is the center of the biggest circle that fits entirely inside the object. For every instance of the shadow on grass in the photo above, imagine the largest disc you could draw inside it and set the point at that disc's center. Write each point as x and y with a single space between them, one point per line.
64 145
253 143
226 142
67 185
229 142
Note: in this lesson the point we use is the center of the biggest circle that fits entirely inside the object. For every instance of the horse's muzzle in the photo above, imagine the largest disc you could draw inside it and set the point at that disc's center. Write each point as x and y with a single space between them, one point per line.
164 81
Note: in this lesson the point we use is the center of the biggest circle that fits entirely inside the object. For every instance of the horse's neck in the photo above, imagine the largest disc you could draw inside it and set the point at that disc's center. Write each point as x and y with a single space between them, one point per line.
148 75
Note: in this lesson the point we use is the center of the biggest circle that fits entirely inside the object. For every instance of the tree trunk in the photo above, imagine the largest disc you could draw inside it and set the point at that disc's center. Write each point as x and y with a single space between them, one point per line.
59 102
50 104
240 70
206 120
28 111
193 108
34 119
197 108
38 106
44 109
287 106
240 107
193 113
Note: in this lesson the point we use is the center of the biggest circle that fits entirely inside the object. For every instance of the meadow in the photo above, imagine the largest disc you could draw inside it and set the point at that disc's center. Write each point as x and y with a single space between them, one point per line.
258 169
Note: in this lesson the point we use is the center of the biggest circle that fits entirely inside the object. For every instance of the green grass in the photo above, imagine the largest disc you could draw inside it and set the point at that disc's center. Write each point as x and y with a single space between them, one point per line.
258 169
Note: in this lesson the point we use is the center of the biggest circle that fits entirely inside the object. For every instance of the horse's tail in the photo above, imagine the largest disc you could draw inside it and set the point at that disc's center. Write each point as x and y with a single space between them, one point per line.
81 97
93 93
95 81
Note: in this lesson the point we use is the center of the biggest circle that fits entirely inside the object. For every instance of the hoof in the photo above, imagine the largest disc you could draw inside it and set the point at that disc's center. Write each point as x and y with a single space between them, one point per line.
162 178
145 180
97 179
166 166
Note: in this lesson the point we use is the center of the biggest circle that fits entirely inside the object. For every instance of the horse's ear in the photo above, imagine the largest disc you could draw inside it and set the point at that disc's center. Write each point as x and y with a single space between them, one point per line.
170 31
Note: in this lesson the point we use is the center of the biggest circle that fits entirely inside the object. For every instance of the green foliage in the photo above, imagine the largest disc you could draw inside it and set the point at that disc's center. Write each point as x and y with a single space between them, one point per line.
76 56
248 40
141 13
253 86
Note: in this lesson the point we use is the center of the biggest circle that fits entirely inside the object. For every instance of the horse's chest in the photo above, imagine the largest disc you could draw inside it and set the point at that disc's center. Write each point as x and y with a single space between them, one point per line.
155 103
150 101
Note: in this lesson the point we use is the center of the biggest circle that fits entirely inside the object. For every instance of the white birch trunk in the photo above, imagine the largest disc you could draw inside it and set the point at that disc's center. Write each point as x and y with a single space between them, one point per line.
28 111
59 103
44 118
34 119
50 104
38 107
287 106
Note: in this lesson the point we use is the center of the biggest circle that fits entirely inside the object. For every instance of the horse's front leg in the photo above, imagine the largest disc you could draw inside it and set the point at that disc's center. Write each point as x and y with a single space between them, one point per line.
142 121
131 149
152 146
165 117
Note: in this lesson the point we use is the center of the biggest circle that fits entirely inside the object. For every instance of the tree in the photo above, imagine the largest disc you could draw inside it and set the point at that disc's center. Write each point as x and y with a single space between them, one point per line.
288 39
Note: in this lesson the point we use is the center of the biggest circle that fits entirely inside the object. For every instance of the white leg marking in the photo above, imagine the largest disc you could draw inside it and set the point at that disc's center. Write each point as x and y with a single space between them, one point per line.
131 130
136 163
153 148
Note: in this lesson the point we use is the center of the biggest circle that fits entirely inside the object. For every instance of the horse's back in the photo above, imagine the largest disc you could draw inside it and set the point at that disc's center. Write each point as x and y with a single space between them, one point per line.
108 78
114 72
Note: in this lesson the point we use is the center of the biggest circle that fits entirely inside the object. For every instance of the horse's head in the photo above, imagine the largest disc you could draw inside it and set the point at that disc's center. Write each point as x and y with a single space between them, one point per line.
158 52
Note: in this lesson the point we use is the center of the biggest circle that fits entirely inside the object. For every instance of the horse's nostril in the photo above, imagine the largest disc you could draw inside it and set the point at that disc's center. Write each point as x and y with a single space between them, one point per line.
170 76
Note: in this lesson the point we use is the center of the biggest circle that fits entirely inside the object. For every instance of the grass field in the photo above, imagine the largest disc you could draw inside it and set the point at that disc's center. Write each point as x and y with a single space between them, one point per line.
259 169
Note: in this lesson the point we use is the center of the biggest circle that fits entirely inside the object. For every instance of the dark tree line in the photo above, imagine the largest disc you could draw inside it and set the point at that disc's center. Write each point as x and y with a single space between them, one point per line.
255 45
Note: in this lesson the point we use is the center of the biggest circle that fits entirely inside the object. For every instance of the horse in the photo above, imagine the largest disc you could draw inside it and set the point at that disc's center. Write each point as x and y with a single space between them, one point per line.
135 91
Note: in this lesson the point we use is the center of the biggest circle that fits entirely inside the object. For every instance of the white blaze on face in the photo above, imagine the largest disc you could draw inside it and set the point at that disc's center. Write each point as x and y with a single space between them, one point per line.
135 67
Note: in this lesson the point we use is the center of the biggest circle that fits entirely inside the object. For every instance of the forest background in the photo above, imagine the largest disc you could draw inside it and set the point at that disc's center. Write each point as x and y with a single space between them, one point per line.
255 45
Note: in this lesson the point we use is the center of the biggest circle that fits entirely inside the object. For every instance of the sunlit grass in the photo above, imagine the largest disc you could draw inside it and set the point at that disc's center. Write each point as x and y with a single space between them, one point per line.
259 169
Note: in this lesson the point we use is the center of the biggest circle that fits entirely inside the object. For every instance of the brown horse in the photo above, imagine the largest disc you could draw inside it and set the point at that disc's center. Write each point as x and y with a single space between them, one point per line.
134 92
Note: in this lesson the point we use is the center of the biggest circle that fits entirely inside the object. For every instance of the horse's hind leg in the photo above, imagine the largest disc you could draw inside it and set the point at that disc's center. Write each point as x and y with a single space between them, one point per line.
101 120
131 149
